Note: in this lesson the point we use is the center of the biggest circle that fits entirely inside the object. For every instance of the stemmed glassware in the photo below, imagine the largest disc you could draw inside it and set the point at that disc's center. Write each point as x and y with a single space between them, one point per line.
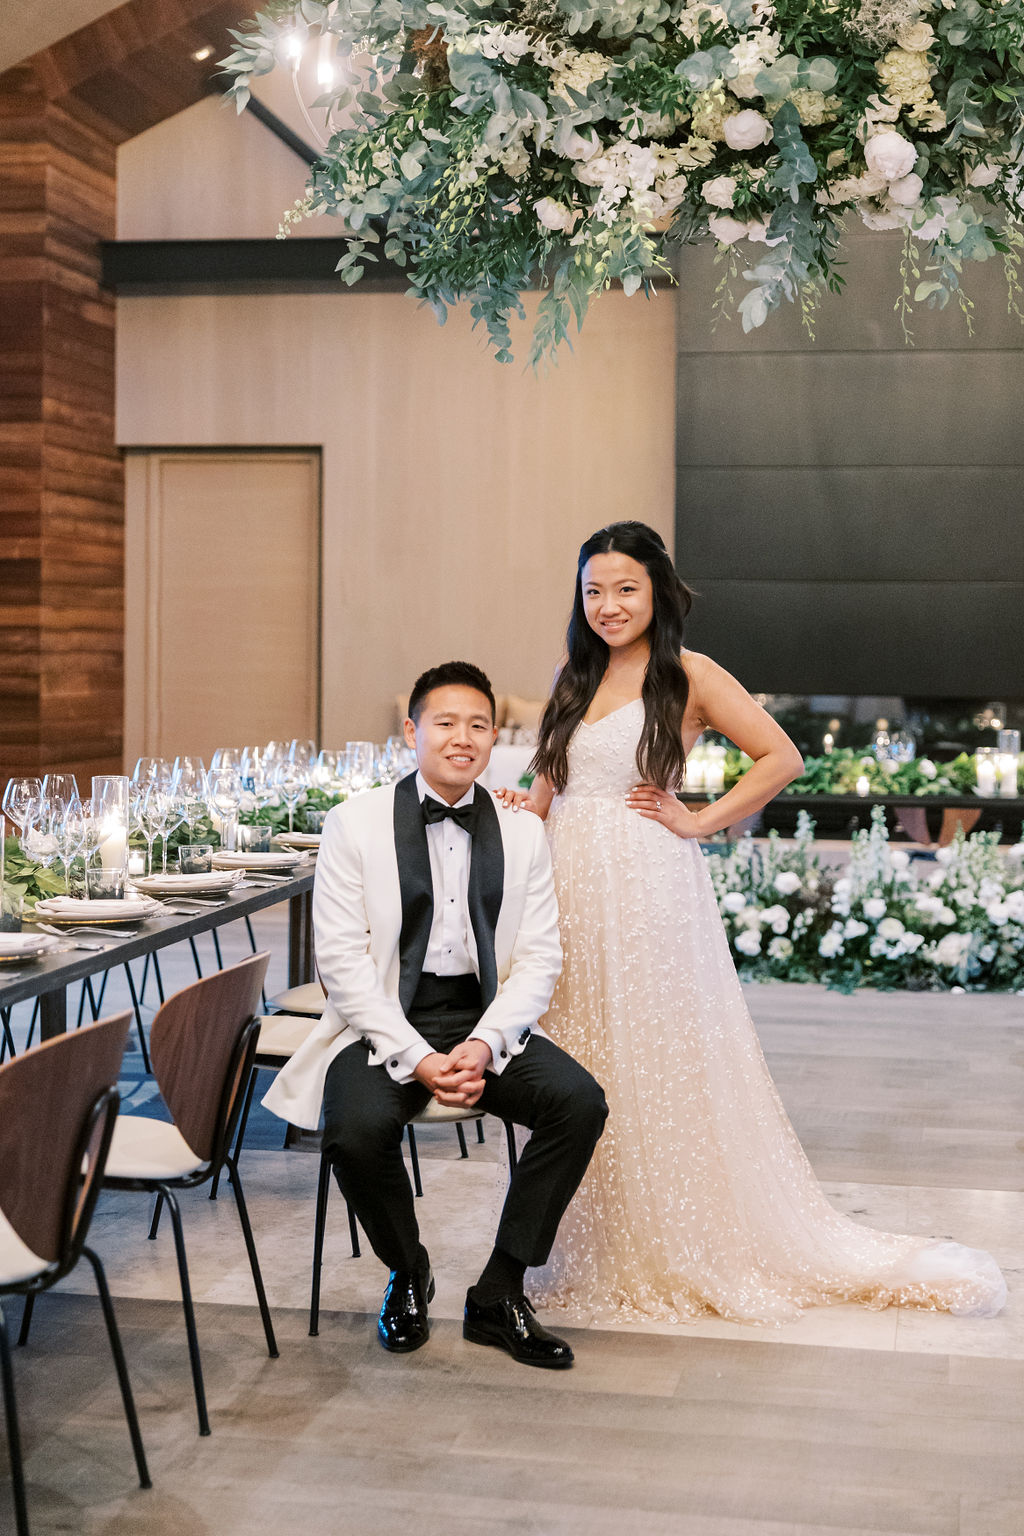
69 828
902 746
291 778
360 765
150 769
162 809
190 788
18 797
38 832
227 757
224 790
302 752
61 787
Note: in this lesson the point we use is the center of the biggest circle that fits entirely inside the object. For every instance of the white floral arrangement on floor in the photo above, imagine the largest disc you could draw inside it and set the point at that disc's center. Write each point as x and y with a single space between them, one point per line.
493 146
880 922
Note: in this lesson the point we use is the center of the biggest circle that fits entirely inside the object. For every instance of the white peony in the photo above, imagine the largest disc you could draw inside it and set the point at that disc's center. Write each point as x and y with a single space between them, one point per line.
787 883
780 949
831 944
748 942
734 901
854 928
554 215
720 192
907 190
726 229
874 908
748 129
891 928
890 154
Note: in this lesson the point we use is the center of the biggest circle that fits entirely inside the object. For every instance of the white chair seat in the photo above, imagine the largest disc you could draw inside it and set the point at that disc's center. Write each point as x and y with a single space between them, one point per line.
445 1114
309 998
17 1261
281 1034
149 1149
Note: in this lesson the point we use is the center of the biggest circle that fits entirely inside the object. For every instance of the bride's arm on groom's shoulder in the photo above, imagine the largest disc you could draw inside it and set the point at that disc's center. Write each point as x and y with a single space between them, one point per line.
536 799
720 703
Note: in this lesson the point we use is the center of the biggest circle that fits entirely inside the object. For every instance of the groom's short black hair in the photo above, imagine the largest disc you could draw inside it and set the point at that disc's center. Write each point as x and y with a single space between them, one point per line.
450 674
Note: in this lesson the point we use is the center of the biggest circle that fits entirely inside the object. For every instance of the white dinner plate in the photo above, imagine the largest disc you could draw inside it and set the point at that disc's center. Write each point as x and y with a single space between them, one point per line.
74 909
16 948
254 861
309 840
177 885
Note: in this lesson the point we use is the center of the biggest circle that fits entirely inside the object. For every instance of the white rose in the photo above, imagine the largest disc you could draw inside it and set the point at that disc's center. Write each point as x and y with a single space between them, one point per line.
780 949
983 175
899 859
1015 904
927 768
854 929
877 947
876 218
874 908
916 38
891 928
777 918
912 942
998 913
787 883
907 190
720 192
831 944
945 915
554 215
748 942
748 129
889 153
734 901
952 949
944 856
725 229
843 886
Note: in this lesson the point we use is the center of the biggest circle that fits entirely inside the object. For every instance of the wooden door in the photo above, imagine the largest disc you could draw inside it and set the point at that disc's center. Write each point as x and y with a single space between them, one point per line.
222 610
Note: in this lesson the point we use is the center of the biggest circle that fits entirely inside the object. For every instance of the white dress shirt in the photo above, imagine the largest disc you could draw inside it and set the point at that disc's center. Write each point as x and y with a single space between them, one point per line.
451 948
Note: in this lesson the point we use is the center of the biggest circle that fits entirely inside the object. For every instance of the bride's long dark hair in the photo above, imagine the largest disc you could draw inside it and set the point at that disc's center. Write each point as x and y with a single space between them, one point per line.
660 758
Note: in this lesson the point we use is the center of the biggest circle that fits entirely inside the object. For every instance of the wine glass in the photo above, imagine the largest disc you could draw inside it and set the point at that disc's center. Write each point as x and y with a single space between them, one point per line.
291 778
62 787
325 771
38 840
69 829
224 792
227 757
360 761
902 746
138 822
163 811
302 752
189 786
150 769
18 797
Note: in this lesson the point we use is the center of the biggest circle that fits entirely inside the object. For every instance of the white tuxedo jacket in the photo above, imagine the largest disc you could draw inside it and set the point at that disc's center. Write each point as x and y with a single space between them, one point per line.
372 906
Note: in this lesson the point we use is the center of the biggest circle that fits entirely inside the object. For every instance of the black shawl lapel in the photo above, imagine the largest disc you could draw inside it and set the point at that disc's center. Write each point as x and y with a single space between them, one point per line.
486 888
416 886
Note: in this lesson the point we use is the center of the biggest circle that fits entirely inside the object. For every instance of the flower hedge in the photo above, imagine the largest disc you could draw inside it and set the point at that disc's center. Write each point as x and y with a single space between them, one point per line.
879 923
492 145
838 773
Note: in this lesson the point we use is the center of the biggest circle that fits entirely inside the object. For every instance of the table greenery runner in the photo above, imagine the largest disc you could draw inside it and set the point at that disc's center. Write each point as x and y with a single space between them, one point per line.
490 146
880 922
838 773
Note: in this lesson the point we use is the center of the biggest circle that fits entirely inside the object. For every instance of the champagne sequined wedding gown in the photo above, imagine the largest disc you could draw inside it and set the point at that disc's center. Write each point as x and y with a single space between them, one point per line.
699 1197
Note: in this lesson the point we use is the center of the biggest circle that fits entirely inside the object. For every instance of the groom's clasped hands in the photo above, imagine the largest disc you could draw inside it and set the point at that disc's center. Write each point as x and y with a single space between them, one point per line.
457 1079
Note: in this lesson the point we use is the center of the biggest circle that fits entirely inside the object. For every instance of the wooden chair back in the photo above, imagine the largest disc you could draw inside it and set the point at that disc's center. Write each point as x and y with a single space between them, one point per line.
194 1050
57 1105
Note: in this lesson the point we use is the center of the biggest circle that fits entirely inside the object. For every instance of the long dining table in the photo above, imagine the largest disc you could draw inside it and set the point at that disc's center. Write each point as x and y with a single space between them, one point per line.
49 977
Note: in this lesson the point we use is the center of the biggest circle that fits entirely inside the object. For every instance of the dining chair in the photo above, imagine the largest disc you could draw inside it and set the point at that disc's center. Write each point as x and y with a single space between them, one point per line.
432 1114
202 1044
58 1105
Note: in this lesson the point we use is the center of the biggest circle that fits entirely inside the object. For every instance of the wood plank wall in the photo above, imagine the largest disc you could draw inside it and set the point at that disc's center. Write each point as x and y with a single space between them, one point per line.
61 476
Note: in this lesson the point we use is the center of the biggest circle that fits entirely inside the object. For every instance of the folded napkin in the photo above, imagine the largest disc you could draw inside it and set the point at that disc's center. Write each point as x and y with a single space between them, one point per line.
128 907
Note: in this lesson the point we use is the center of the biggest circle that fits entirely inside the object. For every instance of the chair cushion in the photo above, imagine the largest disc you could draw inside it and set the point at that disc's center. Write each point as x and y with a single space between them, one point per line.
309 998
149 1149
17 1262
281 1034
445 1114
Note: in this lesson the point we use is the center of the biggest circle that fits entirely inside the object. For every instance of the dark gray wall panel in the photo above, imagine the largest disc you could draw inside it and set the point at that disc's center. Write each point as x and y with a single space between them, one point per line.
848 522
927 639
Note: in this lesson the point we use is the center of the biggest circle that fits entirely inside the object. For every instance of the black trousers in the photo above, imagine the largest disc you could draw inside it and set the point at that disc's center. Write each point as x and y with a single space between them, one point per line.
366 1112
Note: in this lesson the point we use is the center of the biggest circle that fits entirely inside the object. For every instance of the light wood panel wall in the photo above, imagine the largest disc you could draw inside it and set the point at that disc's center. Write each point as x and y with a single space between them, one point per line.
455 491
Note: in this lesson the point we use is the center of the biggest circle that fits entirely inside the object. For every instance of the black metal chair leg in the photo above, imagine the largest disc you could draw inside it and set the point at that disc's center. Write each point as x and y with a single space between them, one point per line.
415 1158
121 1368
254 1263
157 977
103 992
154 1225
460 1133
189 1310
252 941
353 1230
216 948
7 1044
138 1020
81 1004
13 1435
323 1190
195 957
32 1025
510 1137
145 978
26 1319
480 1132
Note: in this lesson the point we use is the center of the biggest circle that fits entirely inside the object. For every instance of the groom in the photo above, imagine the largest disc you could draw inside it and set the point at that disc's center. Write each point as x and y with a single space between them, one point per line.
437 941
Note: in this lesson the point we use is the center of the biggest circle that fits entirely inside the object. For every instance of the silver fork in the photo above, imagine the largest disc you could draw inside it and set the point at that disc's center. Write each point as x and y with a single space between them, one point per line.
106 933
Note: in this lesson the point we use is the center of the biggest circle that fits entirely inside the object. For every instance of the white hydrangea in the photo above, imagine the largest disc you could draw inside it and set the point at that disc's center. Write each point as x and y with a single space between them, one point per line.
831 943
780 949
787 883
733 901
748 942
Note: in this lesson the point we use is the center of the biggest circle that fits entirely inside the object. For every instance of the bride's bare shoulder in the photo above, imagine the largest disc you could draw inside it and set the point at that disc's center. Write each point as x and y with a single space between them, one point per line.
696 665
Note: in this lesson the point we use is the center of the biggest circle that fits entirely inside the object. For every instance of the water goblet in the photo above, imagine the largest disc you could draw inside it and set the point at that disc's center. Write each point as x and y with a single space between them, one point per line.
39 842
60 786
227 757
148 770
163 812
224 790
290 779
189 786
18 797
360 762
69 830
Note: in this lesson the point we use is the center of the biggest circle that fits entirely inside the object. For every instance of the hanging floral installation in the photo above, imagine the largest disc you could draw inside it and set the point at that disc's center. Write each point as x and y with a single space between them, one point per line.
488 147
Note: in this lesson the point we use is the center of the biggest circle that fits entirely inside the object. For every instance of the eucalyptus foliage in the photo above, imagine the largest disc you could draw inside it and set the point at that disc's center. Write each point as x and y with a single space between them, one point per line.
488 146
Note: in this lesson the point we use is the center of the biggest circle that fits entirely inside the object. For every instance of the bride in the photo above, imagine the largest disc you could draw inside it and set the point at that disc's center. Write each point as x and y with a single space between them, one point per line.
699 1198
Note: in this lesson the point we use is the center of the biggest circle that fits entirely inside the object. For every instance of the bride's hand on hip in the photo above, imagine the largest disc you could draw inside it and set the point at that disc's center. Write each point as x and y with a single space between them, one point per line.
662 806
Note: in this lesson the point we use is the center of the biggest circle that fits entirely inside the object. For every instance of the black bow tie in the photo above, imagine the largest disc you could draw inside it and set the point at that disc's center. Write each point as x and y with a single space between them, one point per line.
436 810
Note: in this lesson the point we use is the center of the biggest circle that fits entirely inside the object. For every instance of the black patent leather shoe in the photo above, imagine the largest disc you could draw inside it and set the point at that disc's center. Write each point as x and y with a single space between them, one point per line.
402 1325
510 1324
